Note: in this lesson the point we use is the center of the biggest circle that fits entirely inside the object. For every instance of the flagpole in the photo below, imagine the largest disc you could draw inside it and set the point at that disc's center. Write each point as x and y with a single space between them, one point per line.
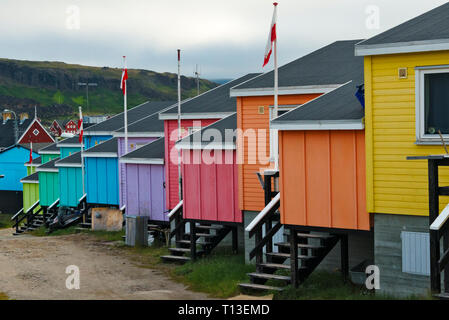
179 125
82 147
276 91
125 111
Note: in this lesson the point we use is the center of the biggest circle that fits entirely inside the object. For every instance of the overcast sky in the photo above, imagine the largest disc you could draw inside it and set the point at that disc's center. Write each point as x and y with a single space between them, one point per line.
225 37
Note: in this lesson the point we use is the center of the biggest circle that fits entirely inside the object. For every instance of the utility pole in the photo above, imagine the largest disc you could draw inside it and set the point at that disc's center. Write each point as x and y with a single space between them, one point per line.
87 85
197 75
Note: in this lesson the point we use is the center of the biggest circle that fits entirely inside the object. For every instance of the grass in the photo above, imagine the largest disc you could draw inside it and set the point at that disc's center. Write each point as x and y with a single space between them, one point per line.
323 285
100 235
5 221
217 275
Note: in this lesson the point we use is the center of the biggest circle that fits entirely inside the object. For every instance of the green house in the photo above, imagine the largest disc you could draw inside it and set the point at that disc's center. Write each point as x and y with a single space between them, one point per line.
48 183
30 191
31 167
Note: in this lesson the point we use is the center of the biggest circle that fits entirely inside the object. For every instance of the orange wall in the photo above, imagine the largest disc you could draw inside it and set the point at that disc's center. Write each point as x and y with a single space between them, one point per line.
251 196
322 179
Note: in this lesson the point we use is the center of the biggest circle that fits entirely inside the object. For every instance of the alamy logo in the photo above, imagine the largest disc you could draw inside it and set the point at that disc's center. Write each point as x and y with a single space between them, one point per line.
372 21
73 21
73 280
373 277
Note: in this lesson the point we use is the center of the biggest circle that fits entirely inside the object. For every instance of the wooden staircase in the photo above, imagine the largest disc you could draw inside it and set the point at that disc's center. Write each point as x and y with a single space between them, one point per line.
297 257
199 241
28 221
277 270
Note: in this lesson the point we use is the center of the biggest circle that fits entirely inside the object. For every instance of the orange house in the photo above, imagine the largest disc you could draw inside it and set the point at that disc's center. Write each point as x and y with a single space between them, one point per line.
299 82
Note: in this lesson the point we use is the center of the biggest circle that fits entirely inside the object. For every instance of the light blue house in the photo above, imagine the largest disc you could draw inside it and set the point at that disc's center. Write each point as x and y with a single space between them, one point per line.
69 146
70 180
12 167
101 166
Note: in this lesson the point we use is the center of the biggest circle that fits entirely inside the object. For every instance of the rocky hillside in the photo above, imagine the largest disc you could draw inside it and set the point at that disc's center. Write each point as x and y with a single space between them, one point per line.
53 87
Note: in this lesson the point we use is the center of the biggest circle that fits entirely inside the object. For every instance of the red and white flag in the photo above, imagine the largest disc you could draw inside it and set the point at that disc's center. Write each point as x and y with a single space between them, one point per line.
271 37
124 78
31 152
80 127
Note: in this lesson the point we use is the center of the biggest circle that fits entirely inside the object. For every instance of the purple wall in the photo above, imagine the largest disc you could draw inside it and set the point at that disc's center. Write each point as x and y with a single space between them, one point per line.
145 192
133 144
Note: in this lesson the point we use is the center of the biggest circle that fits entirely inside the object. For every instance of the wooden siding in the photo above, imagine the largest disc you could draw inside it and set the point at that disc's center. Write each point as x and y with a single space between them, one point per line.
30 195
48 157
12 167
322 179
102 180
133 143
68 151
394 184
171 163
145 191
71 186
92 141
210 191
48 188
251 196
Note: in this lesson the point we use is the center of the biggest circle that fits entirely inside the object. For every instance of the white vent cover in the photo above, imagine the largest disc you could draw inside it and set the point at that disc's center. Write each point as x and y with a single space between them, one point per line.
415 253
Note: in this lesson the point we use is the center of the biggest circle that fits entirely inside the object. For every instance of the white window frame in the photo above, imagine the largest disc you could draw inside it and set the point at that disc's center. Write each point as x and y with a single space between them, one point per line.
274 132
421 136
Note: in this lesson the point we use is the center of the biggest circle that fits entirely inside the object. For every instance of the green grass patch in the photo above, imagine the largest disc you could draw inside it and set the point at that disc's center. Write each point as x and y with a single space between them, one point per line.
323 285
217 275
42 232
107 235
5 221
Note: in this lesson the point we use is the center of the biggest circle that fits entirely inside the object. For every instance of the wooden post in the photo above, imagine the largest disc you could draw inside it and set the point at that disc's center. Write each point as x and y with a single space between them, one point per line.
235 240
435 275
446 269
294 257
267 188
269 245
259 254
344 246
193 241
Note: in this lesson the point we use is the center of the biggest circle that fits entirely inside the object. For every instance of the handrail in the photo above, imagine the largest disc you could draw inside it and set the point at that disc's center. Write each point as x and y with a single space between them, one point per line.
31 209
53 204
439 222
260 217
82 198
17 214
175 209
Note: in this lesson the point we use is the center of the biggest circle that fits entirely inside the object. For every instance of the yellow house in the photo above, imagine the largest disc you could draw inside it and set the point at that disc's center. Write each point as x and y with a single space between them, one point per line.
406 106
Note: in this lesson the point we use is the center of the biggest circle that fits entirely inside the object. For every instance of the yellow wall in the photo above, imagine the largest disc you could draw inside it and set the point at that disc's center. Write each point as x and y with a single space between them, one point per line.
396 185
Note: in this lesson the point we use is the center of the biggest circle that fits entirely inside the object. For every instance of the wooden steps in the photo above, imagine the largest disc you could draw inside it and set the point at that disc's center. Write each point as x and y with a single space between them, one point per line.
259 287
269 276
300 245
177 259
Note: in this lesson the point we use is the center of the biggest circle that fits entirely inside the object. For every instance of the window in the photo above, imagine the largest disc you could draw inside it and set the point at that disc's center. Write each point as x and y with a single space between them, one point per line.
415 252
432 104
273 132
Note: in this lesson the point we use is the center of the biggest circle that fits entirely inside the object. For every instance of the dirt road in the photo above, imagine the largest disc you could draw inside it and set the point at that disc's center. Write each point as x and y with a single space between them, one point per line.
34 268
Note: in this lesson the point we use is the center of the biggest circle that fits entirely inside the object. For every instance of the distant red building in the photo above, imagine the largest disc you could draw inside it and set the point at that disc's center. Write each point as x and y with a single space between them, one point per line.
55 129
35 134
71 127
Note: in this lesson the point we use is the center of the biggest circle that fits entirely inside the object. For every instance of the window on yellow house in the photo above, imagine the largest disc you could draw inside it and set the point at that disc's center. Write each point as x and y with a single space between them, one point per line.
432 103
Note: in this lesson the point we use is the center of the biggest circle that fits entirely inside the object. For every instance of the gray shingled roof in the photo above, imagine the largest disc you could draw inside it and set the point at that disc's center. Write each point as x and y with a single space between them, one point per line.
108 146
74 159
53 148
35 163
340 104
48 165
216 100
150 124
432 25
7 132
69 141
152 150
330 65
31 178
135 114
205 136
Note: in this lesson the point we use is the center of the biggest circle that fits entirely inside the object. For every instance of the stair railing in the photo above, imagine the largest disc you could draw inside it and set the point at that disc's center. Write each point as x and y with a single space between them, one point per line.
255 228
17 218
176 216
439 262
29 215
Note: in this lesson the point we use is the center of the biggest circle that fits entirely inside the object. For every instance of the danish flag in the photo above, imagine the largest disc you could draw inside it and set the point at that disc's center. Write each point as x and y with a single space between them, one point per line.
124 78
271 37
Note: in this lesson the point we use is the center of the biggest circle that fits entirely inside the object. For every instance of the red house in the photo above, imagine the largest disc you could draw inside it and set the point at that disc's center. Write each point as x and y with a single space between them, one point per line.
55 129
71 127
36 134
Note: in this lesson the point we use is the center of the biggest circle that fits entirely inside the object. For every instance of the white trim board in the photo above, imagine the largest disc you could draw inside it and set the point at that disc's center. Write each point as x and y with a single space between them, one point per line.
100 155
401 47
46 170
319 125
142 161
30 181
312 89
49 152
196 116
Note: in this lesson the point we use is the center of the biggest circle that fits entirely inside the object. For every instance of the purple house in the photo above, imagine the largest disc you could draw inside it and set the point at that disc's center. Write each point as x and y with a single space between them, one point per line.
144 185
140 133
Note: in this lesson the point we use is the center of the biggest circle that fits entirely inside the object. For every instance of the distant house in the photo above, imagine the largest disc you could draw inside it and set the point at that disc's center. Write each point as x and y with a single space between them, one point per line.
71 127
37 135
56 129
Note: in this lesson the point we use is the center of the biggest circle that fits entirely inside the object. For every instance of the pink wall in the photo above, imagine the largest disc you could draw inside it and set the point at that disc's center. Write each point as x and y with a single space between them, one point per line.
171 163
210 191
